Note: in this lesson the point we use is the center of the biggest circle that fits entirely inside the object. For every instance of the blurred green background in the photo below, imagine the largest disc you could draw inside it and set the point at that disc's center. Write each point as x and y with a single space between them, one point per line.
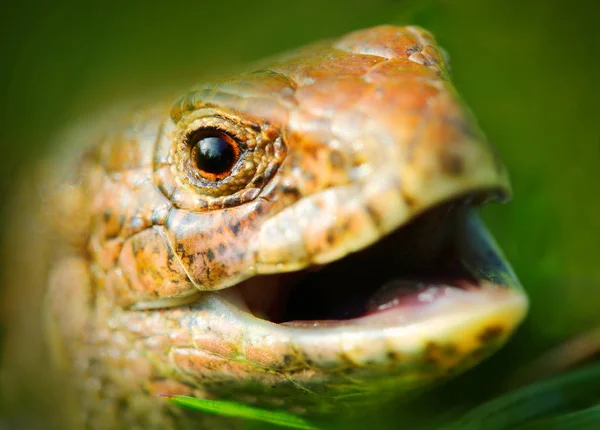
528 70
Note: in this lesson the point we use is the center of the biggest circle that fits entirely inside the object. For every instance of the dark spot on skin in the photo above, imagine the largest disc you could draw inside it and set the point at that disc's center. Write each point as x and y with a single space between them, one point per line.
449 350
310 150
335 159
258 181
289 190
309 362
373 214
491 333
452 164
330 238
232 201
287 358
478 354
221 248
217 204
202 204
270 170
410 200
220 229
250 194
234 227
393 356
413 49
122 405
465 127
210 255
107 214
432 353
159 216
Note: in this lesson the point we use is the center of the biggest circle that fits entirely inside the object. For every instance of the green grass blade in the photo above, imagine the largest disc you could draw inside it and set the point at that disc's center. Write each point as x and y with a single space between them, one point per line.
238 410
585 419
548 400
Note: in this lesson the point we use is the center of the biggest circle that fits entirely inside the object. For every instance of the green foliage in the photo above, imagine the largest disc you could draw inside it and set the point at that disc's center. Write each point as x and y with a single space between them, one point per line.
569 401
238 410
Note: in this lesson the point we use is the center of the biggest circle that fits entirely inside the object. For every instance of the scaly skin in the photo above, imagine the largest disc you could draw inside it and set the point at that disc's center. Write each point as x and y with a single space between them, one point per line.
345 141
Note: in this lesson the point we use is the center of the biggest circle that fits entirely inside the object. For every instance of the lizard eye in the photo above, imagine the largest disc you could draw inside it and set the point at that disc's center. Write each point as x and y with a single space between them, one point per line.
213 158
214 154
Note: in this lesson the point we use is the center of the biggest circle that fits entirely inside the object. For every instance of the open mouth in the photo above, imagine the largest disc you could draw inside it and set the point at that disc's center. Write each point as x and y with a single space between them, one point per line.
442 259
430 299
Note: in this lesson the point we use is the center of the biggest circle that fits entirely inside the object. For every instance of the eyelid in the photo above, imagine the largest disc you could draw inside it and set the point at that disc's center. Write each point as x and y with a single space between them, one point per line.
243 131
227 134
214 131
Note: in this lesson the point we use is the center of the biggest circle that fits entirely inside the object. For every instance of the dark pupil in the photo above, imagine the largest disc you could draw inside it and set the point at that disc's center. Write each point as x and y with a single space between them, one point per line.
214 154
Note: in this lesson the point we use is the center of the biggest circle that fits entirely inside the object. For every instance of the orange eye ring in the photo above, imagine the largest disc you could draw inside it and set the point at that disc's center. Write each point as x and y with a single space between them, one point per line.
216 159
214 154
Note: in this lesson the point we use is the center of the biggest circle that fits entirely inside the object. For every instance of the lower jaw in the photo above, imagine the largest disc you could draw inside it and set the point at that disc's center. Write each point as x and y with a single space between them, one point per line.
317 367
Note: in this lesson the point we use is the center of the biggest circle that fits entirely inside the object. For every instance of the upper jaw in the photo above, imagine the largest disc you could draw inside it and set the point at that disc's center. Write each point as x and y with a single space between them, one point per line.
332 223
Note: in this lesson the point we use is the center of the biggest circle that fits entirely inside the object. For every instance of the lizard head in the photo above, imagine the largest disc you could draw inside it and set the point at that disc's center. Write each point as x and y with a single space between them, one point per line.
311 226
